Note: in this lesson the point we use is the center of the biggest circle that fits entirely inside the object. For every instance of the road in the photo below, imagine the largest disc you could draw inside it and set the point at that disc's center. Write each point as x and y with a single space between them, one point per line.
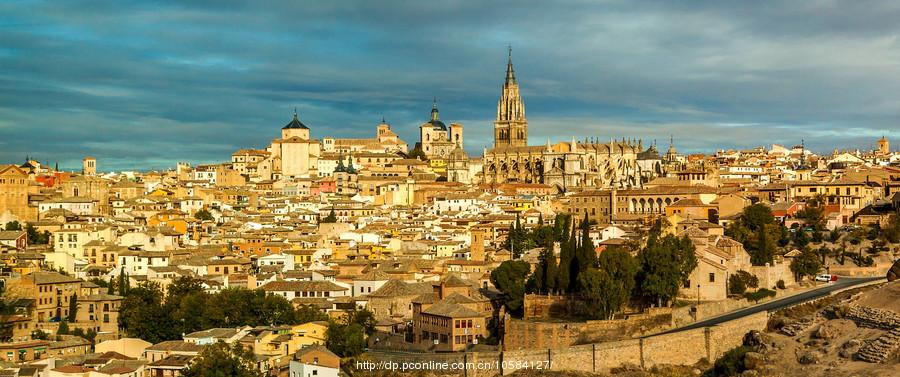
779 303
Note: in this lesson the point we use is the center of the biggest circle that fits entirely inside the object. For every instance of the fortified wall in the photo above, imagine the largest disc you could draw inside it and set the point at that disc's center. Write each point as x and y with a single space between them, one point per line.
684 347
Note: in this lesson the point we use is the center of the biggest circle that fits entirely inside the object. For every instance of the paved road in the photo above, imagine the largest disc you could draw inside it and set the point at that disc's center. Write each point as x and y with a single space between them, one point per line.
779 304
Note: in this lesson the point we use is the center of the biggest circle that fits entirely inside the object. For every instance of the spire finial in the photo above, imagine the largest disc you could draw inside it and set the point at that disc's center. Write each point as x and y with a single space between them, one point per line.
510 73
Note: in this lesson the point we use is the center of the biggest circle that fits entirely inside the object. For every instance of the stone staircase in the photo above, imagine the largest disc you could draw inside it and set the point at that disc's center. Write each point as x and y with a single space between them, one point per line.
881 348
873 318
795 328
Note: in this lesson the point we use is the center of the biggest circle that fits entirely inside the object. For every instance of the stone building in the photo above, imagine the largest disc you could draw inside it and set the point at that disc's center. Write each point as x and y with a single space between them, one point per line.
385 141
566 166
89 166
14 194
436 139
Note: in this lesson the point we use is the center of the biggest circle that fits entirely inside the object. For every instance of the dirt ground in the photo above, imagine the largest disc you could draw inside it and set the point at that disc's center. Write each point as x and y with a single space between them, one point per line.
884 297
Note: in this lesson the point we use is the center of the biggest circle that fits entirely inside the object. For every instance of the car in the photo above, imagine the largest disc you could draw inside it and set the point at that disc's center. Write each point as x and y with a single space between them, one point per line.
826 277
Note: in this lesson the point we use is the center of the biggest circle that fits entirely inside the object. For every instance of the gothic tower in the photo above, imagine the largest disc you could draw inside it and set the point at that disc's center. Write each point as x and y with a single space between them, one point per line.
511 127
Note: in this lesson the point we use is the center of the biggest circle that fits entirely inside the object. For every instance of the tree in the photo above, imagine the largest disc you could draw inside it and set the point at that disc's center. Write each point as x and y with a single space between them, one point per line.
223 360
764 250
805 264
510 278
13 225
600 293
204 215
740 281
331 218
142 314
543 280
665 264
63 328
6 310
622 268
345 340
73 308
518 240
35 237
417 153
891 231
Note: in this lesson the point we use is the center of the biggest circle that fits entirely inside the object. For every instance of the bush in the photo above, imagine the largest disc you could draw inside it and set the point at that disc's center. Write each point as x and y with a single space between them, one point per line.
779 284
731 363
864 261
760 294
740 281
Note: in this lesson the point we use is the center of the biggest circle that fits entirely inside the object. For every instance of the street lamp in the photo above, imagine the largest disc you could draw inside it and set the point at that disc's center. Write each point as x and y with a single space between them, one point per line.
698 296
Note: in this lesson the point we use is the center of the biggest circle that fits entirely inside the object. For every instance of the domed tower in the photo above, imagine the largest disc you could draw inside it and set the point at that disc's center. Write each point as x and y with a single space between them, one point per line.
511 127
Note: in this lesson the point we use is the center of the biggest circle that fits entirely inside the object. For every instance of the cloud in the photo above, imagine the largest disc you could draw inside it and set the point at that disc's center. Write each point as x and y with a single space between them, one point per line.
145 84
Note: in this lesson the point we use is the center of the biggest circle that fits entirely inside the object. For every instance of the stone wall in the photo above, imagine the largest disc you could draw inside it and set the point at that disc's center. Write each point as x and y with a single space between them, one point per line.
685 347
523 334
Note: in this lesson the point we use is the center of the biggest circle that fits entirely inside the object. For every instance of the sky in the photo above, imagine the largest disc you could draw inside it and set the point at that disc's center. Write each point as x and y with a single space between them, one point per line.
144 84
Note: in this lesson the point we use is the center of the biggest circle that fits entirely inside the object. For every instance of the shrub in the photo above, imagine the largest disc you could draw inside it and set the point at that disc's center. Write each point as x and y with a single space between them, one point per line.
779 284
731 363
760 294
740 281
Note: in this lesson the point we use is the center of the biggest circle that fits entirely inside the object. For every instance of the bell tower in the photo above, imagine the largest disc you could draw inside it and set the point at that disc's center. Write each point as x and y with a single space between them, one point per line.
511 127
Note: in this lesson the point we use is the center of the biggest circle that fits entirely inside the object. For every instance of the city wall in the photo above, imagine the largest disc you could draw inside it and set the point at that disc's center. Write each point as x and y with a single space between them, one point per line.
524 334
685 347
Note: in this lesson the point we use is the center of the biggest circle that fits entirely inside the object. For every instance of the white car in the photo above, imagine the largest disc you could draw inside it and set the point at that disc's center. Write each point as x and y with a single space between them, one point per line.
825 278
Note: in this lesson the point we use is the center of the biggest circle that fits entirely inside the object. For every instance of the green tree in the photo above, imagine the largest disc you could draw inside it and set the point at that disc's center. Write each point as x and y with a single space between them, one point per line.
13 225
600 292
891 231
805 264
63 328
417 153
142 314
7 309
740 281
543 280
665 264
35 237
331 218
73 308
509 277
764 250
345 340
204 215
223 360
622 269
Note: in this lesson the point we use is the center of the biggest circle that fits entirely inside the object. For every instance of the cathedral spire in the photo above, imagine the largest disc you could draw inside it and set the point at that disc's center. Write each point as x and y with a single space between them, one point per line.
510 73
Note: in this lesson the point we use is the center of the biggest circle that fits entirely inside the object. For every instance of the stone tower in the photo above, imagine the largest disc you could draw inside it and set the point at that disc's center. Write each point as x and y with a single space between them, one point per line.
89 166
884 146
511 127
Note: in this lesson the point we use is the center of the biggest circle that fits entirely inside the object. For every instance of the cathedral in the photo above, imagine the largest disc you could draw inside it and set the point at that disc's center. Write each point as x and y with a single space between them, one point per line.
567 166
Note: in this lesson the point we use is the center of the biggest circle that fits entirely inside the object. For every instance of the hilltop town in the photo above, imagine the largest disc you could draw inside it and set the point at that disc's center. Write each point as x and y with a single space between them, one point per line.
319 255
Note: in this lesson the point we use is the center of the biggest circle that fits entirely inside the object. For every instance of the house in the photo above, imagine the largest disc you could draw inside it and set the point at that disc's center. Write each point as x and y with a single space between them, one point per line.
16 239
296 289
315 361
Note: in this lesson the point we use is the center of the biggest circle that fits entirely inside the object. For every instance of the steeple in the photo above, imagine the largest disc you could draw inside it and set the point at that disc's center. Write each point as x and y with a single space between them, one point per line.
510 73
434 110
511 127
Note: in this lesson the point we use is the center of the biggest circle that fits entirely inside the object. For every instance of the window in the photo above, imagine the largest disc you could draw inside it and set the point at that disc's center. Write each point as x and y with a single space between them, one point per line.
712 277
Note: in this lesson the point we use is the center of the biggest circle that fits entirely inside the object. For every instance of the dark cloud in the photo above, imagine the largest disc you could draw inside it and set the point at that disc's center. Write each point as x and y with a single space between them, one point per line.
144 84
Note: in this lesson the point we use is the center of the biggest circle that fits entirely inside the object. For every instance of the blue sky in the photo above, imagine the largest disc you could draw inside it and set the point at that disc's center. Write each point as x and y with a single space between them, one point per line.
141 84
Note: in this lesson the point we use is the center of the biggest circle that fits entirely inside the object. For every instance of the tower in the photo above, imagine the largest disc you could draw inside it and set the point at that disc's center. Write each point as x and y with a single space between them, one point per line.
89 166
511 127
884 146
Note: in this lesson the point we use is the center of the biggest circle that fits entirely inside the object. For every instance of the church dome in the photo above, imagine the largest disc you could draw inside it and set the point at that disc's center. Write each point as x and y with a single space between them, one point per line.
435 121
458 153
295 123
